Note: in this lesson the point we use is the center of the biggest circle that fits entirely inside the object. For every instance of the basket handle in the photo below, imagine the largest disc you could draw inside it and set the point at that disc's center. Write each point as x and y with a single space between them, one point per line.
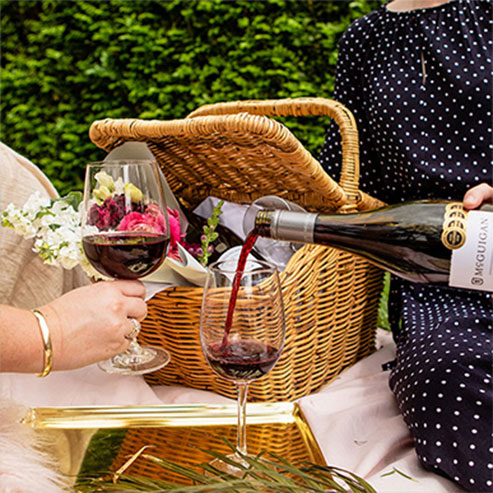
349 179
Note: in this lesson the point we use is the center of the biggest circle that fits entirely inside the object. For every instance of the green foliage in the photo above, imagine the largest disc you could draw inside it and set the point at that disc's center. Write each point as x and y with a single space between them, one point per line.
266 472
210 235
66 64
383 315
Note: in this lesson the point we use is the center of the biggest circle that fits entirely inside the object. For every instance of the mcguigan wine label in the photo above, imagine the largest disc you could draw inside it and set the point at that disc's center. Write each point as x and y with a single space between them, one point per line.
472 264
454 226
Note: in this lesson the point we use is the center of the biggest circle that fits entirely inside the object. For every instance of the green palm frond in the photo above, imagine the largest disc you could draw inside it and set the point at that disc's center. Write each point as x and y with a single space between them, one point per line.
266 472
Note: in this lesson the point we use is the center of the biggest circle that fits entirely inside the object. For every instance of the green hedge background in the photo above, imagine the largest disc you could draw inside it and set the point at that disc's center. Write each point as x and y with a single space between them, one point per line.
65 64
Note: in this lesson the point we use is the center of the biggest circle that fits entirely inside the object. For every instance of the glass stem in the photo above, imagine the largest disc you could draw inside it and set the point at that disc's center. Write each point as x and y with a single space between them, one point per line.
134 355
241 430
134 348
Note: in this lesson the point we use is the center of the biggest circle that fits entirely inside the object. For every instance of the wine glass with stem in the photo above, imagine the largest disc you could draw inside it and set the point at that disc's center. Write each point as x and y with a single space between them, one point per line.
242 331
125 235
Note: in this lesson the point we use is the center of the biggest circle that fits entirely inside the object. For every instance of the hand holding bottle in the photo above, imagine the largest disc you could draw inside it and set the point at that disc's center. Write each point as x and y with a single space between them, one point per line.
478 195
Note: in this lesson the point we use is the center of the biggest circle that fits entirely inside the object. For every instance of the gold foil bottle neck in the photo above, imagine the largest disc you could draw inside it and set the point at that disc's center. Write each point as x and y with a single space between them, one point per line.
263 217
454 226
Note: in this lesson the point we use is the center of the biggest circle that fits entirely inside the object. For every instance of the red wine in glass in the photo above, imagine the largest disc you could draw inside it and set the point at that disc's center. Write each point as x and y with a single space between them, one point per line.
242 360
129 255
125 236
242 329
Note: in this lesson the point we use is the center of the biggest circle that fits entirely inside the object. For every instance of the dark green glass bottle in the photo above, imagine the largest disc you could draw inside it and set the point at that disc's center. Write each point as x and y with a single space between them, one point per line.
413 240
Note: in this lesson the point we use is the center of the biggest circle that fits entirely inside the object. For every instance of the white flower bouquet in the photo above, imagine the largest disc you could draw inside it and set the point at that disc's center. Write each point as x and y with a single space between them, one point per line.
54 224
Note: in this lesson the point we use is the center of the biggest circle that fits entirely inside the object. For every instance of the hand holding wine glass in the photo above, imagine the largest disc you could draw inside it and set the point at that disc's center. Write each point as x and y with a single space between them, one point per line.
242 329
126 236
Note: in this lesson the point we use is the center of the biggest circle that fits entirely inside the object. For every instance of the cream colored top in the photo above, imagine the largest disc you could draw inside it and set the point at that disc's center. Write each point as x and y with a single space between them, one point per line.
26 282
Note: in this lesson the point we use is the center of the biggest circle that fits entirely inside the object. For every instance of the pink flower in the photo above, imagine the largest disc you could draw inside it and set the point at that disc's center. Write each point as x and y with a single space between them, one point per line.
154 210
174 224
136 221
194 249
152 221
107 215
175 233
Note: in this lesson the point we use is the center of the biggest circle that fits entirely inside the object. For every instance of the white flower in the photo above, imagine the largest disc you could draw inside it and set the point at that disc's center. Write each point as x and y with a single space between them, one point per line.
119 186
17 219
56 229
69 256
35 203
105 180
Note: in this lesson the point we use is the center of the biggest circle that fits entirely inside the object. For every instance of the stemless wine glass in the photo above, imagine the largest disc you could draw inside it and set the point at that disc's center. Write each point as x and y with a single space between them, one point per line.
241 330
125 235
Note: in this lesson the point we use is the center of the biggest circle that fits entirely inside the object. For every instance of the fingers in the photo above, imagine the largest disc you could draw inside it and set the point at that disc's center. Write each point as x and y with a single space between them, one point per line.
135 308
478 195
121 298
131 288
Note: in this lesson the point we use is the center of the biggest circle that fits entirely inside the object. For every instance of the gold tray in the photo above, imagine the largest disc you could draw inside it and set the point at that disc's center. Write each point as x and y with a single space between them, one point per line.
180 434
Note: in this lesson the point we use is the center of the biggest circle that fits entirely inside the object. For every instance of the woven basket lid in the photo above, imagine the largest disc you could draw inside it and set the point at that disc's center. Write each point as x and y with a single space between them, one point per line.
240 156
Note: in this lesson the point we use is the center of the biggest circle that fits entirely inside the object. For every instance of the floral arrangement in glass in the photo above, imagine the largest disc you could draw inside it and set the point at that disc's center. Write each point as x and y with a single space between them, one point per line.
55 224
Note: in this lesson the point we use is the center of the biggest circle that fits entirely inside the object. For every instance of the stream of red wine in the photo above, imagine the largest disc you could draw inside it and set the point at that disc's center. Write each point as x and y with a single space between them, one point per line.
245 251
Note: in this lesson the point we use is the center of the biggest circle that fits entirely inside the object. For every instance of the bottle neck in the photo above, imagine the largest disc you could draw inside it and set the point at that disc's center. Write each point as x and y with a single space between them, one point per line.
286 225
364 233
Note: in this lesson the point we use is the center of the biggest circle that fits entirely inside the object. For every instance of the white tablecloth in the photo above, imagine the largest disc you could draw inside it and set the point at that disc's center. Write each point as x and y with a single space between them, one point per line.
358 426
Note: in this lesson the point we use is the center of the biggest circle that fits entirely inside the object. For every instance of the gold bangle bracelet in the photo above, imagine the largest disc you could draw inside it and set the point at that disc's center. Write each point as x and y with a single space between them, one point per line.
45 334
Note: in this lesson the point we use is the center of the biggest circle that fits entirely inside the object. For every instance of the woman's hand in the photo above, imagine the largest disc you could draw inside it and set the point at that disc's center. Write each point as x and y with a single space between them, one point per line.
478 195
89 324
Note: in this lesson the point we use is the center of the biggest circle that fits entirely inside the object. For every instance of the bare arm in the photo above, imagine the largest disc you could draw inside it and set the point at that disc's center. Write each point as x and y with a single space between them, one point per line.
87 325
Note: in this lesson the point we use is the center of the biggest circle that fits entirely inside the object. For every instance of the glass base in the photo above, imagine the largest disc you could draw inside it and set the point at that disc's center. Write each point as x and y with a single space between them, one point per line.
231 469
146 360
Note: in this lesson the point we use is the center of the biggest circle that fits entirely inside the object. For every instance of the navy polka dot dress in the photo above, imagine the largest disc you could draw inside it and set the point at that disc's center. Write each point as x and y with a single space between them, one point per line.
419 85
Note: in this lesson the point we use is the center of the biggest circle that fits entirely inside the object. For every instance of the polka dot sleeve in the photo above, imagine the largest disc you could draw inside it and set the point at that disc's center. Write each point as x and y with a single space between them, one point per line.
348 92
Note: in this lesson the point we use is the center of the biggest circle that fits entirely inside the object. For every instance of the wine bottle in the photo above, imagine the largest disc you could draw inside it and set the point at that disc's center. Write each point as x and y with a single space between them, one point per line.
431 241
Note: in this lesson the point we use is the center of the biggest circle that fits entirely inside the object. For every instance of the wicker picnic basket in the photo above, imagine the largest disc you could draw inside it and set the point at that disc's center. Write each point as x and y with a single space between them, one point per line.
238 152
